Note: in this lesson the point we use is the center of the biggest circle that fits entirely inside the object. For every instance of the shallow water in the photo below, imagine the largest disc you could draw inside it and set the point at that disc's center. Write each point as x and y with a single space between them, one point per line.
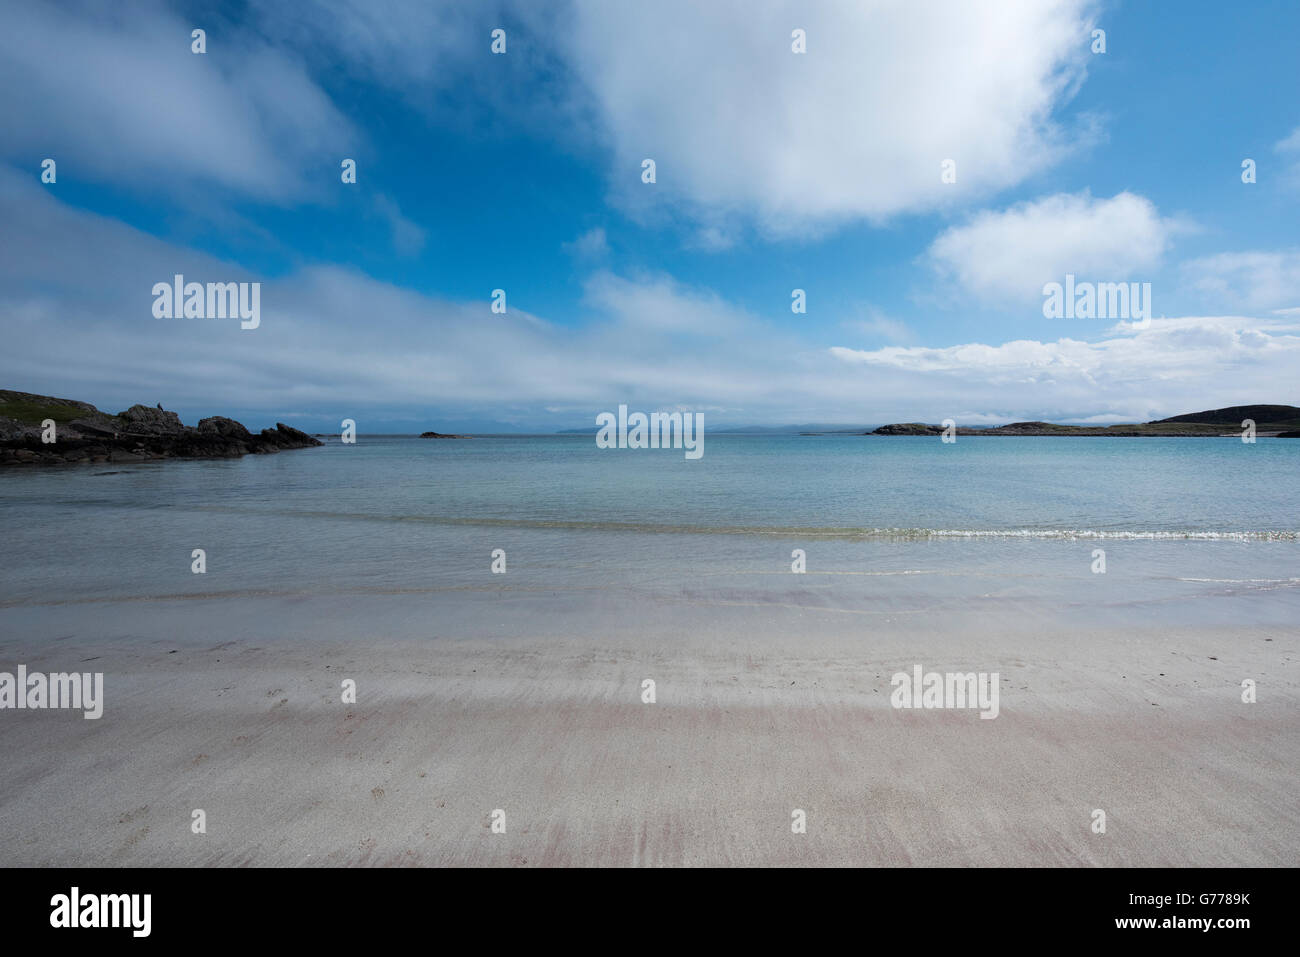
888 525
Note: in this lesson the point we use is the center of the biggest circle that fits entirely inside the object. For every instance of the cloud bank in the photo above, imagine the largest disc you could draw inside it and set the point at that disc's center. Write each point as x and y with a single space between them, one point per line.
77 305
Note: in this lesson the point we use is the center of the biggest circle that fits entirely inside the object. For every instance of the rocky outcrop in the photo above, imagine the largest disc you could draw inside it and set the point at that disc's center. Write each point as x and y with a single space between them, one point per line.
442 435
286 437
908 428
83 434
142 420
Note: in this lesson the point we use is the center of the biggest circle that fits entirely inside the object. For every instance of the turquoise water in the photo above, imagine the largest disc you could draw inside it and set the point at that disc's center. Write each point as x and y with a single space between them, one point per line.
881 519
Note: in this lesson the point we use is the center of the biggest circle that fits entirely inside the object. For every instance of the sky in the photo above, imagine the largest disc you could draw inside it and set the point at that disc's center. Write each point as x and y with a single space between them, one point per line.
920 172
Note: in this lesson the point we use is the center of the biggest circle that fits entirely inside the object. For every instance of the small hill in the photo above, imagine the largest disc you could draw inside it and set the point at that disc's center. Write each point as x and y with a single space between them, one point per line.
1282 421
1267 417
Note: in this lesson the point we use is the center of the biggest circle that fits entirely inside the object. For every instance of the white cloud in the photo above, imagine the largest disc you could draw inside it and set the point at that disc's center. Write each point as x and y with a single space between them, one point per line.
712 238
875 324
855 128
118 96
590 245
1184 364
657 303
1009 255
1252 280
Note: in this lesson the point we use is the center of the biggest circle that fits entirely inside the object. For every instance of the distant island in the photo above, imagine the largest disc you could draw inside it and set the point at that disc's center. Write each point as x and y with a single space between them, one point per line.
1281 421
83 434
443 435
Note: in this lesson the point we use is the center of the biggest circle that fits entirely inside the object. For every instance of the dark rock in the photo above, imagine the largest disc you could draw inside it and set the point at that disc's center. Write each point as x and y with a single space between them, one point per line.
141 433
293 438
228 429
140 419
106 426
11 429
908 428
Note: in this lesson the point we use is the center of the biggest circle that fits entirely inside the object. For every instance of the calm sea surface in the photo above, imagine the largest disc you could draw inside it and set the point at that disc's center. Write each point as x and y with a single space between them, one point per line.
883 521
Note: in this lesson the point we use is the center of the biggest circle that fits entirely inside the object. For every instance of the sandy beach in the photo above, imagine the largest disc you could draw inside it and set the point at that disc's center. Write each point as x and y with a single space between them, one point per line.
761 708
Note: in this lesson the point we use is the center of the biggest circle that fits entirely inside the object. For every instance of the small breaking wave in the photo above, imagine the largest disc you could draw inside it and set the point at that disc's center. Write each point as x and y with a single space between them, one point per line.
1074 533
850 533
1243 581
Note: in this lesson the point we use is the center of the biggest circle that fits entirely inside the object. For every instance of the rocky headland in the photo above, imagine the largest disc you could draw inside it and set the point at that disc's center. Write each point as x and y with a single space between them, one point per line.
83 434
1280 421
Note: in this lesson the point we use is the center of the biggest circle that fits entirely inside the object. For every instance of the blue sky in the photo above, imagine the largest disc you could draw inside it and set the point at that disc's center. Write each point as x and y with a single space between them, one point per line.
775 171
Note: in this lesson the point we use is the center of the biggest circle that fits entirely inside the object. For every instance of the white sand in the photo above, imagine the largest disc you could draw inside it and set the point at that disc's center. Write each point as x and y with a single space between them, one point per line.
759 711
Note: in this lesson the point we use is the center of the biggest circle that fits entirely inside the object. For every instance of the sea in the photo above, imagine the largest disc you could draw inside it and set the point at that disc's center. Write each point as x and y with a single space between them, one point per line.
1100 529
